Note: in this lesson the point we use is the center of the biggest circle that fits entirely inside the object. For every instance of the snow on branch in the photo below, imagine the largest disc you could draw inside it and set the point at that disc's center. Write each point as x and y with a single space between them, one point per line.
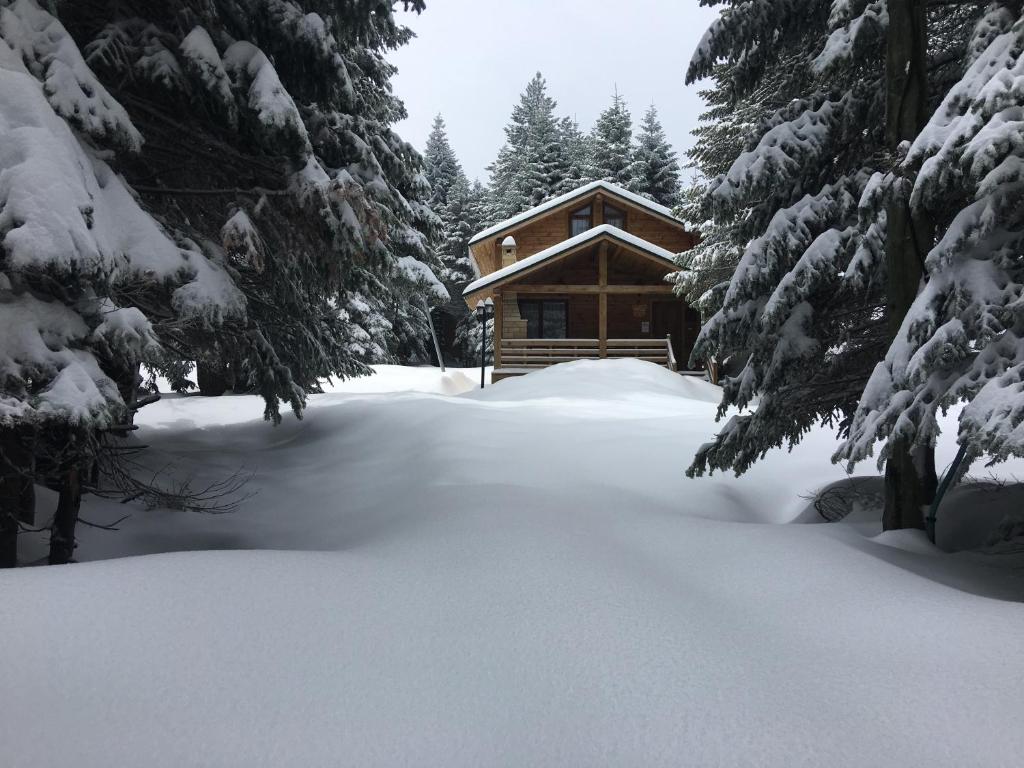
853 36
963 338
71 88
782 154
42 342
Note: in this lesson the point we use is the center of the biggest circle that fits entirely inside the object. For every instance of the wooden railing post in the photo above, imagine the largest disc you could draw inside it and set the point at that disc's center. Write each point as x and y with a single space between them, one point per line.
670 353
499 314
602 300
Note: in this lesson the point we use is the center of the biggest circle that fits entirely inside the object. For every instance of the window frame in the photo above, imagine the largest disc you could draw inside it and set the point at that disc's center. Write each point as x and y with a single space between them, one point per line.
575 215
606 206
540 315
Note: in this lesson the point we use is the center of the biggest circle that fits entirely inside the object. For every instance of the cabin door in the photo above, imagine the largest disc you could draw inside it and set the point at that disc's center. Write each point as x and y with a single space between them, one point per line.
674 317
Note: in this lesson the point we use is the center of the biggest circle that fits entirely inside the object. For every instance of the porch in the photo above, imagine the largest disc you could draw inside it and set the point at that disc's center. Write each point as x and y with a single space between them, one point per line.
515 357
602 295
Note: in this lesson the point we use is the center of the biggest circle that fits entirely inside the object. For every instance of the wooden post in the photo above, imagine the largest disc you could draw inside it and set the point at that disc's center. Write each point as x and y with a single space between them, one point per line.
499 315
602 301
597 211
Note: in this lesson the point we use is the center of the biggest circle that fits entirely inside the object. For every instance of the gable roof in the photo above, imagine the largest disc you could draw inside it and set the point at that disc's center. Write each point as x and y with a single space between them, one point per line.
612 189
595 233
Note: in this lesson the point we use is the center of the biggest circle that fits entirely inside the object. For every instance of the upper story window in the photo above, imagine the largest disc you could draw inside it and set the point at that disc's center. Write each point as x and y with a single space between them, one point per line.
580 221
614 216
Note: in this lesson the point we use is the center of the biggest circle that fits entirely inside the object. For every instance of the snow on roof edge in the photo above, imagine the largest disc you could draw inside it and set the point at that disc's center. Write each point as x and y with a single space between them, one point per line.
572 242
554 202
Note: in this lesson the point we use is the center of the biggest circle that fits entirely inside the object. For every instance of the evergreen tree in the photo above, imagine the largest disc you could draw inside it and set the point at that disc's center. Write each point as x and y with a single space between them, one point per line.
963 338
806 307
449 198
578 151
296 99
531 166
466 345
441 166
89 281
612 139
282 228
654 172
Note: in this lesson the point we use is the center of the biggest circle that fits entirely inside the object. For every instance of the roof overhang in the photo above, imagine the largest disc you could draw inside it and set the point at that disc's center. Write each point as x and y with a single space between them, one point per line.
583 240
612 190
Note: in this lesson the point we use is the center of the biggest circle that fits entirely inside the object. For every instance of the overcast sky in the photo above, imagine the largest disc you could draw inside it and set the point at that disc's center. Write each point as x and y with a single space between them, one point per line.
472 58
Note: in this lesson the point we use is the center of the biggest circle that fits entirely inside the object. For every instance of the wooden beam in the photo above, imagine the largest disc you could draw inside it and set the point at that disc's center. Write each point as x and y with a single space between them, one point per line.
577 201
592 289
597 210
606 238
602 300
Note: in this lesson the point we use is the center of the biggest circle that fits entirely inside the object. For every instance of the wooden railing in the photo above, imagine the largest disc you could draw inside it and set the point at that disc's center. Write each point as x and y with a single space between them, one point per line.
540 353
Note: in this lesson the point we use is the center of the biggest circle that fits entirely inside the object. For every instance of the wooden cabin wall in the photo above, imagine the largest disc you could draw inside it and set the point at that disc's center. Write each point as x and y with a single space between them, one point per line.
626 315
658 231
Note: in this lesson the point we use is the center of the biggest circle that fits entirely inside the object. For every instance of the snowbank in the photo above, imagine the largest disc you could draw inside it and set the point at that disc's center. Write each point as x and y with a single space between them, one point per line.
521 576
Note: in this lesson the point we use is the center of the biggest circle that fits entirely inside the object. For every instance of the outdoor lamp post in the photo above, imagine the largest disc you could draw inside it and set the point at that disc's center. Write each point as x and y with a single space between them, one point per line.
484 312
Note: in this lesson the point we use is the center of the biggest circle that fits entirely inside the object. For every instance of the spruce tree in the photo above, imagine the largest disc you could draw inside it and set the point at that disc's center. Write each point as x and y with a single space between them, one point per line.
449 199
963 337
467 332
612 138
654 172
441 166
211 182
806 308
90 282
281 110
531 166
578 152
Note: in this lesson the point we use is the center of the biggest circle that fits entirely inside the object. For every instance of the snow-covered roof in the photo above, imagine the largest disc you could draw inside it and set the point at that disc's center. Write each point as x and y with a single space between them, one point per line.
509 242
555 202
604 230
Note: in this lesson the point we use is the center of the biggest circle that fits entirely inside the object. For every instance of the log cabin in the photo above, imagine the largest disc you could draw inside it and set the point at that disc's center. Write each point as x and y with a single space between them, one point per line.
583 276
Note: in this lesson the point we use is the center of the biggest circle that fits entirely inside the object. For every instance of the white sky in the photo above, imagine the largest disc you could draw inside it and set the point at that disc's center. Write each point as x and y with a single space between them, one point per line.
472 58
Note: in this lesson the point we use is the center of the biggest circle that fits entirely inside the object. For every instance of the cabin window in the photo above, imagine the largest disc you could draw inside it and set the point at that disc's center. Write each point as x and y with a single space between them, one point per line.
614 216
580 221
545 318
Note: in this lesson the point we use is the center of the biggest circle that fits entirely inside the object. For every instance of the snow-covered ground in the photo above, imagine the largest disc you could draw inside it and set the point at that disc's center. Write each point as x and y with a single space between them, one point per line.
432 575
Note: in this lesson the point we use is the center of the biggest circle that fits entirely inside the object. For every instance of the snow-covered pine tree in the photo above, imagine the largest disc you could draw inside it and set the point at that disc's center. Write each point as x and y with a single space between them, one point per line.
806 306
579 155
88 280
467 332
654 172
459 211
440 165
450 200
612 138
963 338
705 269
282 110
531 166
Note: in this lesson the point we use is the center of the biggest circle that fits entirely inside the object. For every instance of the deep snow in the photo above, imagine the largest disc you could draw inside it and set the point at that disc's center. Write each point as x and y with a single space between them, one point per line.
519 576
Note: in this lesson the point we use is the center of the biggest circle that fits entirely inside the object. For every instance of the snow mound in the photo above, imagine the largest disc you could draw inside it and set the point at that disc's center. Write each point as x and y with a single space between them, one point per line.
602 380
402 378
519 576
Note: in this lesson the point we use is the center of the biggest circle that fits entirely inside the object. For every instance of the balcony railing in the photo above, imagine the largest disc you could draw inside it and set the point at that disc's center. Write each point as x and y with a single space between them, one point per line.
540 353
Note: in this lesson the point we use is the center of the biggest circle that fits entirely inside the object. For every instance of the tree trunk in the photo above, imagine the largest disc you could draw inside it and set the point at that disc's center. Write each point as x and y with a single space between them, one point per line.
910 480
17 491
62 532
212 378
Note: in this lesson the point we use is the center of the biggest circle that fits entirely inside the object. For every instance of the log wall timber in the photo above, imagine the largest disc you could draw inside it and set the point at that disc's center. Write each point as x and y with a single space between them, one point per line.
552 227
602 299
